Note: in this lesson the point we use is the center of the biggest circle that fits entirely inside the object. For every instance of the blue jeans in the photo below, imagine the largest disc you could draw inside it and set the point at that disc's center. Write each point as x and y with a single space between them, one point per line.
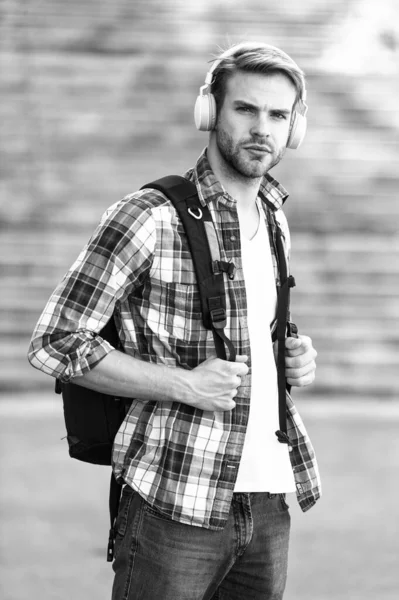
159 559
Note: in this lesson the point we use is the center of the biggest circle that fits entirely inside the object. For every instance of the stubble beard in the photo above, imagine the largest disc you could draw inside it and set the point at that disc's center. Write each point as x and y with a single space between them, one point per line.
234 157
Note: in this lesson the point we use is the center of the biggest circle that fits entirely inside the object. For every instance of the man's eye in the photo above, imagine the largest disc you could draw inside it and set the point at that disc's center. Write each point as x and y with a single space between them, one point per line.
245 109
280 116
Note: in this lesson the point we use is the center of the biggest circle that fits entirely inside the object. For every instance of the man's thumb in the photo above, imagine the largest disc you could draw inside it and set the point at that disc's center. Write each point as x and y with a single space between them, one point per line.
291 343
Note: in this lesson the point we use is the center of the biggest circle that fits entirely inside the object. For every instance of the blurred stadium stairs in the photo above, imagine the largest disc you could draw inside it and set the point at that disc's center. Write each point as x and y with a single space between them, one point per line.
92 109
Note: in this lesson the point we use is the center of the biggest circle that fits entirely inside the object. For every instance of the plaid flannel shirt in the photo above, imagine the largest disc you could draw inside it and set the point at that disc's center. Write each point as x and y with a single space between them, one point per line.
137 265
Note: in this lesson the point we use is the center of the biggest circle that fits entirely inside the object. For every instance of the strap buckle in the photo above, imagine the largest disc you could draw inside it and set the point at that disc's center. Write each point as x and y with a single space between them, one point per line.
111 544
218 317
292 330
221 266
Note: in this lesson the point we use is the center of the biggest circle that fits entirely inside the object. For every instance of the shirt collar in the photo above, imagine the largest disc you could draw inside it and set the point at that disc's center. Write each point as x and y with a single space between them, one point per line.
211 190
272 192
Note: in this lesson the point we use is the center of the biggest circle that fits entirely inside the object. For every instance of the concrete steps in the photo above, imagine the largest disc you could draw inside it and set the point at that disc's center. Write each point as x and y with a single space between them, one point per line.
122 27
344 299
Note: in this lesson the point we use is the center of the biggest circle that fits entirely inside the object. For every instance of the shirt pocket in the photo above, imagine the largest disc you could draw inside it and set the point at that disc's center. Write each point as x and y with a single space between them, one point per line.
183 318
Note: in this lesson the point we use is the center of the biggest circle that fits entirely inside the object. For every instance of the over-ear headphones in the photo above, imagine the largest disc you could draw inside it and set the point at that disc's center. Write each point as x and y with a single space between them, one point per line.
205 105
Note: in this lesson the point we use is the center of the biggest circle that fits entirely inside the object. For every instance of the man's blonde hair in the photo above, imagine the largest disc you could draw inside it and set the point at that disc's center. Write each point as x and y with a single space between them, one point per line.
255 57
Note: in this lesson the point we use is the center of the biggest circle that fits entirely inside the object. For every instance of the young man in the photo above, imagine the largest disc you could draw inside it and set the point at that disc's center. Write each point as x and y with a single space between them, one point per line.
203 511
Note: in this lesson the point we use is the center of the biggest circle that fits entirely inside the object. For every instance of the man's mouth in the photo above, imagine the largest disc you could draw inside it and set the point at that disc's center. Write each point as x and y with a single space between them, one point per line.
257 148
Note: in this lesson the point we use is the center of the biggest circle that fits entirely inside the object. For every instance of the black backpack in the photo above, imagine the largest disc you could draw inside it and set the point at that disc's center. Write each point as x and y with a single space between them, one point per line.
92 419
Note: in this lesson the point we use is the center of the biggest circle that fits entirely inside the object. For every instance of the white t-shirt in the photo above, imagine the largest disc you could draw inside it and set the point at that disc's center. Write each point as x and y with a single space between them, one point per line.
265 464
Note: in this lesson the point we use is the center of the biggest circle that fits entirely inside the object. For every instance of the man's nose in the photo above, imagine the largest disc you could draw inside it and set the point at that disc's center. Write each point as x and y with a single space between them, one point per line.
261 127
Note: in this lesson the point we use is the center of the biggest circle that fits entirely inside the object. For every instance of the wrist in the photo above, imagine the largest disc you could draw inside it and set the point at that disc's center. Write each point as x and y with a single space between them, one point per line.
180 388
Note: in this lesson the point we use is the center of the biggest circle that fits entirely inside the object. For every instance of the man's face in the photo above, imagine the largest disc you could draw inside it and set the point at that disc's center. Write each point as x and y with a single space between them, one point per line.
253 123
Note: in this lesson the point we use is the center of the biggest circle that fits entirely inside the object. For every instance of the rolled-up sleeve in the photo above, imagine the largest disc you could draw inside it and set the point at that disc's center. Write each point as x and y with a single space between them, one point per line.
65 342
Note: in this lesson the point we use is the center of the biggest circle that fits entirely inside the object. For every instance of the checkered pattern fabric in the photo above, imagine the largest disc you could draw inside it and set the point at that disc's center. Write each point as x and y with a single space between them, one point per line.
137 265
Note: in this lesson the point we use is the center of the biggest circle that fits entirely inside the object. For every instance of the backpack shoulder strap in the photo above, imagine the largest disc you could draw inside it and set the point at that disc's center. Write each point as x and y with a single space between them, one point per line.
205 253
284 328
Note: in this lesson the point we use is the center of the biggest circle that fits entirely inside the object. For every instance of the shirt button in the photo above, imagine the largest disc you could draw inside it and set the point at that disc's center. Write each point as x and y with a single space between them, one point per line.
233 238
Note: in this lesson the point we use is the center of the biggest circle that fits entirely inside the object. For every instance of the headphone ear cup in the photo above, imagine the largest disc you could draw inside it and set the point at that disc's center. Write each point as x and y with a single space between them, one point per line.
205 112
297 132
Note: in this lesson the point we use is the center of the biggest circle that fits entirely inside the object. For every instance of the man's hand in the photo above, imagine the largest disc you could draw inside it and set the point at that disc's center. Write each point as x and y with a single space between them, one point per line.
300 365
214 383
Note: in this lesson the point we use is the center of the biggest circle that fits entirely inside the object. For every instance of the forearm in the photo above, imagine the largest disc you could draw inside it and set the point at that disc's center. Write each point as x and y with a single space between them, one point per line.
122 375
211 386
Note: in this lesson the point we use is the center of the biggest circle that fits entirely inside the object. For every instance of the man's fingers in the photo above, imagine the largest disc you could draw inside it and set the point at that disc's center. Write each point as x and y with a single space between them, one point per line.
298 346
301 360
292 343
303 381
300 356
225 406
239 367
301 372
241 358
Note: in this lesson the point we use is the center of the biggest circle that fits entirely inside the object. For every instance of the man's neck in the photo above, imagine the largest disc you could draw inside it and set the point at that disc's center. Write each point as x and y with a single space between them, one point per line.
243 189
